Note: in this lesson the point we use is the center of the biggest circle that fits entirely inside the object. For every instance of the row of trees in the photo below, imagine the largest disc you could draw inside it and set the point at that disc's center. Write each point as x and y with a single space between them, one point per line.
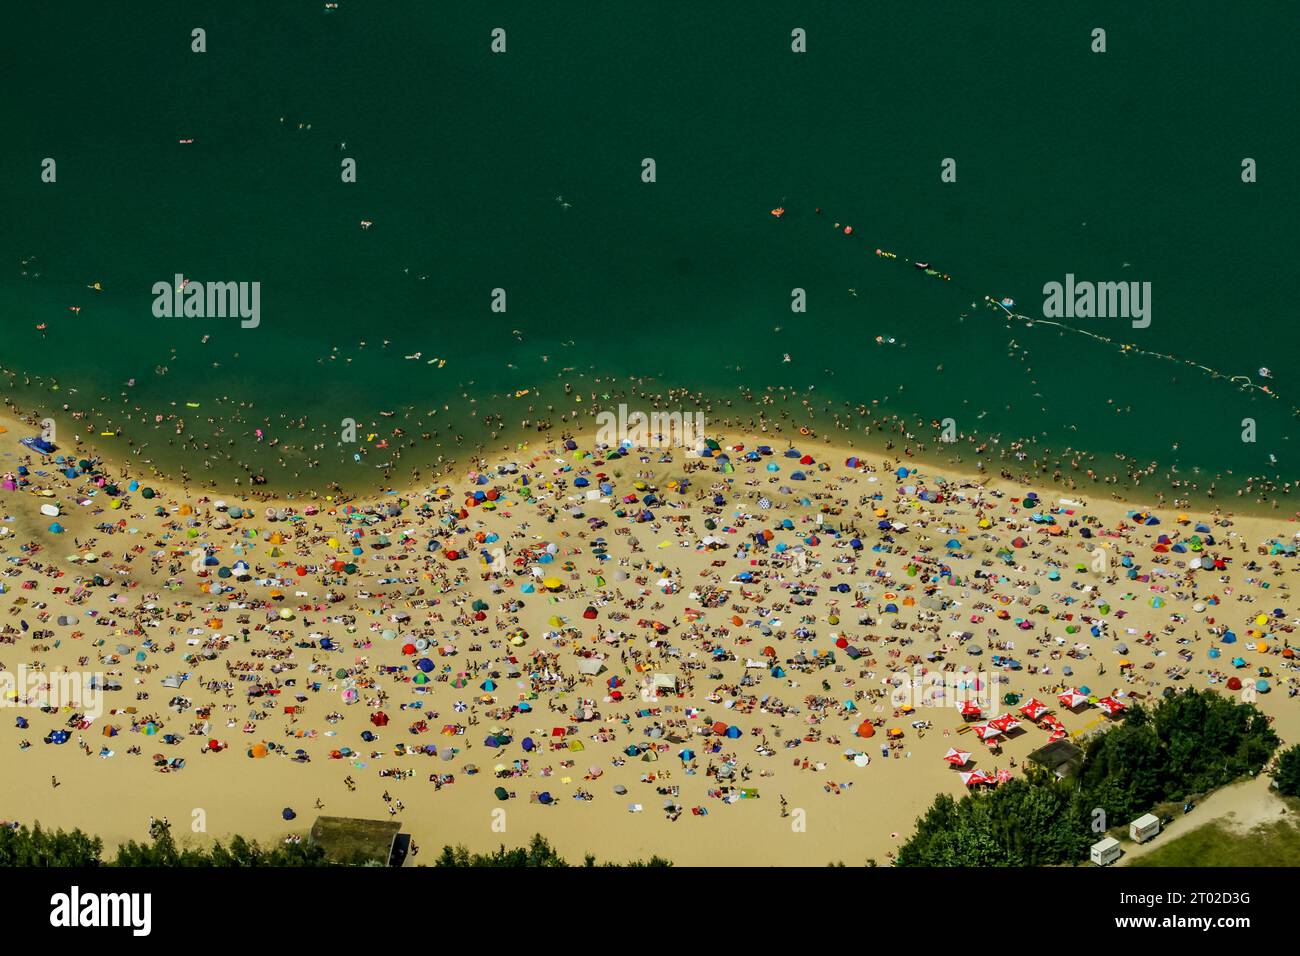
36 846
1187 744
539 852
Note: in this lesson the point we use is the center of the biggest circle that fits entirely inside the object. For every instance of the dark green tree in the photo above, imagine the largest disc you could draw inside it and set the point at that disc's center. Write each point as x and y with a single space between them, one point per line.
1287 774
40 847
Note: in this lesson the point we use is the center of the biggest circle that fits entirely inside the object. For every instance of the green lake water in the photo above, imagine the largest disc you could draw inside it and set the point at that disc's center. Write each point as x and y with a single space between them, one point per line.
1068 161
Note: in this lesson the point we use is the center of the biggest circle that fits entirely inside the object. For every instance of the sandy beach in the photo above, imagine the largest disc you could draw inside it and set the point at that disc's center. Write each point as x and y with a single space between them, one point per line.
596 627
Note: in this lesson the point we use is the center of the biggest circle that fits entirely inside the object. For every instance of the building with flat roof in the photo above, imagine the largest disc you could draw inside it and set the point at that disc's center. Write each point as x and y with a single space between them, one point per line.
1060 757
356 842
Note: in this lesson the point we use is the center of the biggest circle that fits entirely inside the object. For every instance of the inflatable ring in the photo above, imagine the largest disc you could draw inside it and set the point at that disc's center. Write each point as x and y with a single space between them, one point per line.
804 430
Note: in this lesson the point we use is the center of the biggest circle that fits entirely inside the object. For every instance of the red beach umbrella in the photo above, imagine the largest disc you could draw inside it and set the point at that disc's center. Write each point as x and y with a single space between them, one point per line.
958 758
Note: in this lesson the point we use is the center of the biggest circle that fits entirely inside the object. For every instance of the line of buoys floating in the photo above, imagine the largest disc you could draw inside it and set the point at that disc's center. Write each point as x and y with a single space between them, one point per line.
1127 348
1007 305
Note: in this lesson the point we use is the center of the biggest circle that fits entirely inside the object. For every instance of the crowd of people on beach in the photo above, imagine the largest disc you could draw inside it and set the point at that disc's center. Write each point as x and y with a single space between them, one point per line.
686 626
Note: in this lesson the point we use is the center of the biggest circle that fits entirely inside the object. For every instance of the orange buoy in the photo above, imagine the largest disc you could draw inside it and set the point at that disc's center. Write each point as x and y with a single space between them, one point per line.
848 230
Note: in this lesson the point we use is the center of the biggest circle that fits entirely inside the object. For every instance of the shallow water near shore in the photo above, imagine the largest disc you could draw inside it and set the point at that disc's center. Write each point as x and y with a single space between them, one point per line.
517 172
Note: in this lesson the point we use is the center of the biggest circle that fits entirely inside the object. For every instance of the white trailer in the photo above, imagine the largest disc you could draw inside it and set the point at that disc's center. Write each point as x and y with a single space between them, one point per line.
1105 852
1144 828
